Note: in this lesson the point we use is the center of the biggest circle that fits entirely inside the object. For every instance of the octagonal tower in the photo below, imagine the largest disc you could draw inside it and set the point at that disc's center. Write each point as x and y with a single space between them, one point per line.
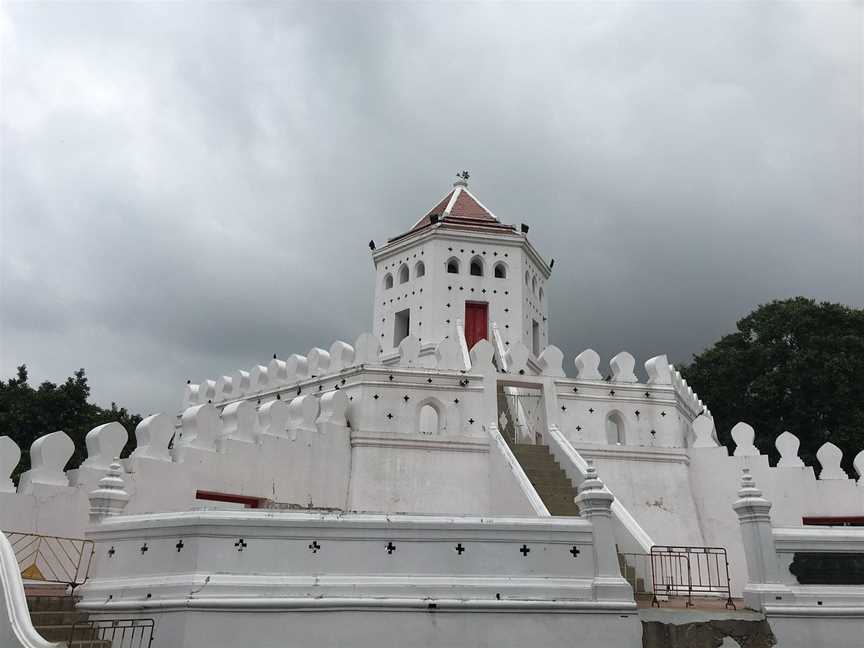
460 264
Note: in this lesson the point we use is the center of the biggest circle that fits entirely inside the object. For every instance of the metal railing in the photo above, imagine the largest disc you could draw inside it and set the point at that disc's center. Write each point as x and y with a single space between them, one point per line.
689 572
53 559
116 633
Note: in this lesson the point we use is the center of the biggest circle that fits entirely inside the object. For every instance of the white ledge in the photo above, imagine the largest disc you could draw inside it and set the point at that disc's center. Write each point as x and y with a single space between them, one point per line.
444 443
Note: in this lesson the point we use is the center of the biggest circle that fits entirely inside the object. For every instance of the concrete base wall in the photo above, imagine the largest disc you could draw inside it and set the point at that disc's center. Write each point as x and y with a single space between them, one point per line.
407 629
813 631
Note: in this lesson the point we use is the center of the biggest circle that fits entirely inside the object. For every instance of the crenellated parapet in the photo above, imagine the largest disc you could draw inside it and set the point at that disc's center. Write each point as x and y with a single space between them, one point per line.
619 407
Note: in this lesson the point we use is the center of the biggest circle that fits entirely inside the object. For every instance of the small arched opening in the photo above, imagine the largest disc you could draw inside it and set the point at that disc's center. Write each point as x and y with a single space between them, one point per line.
429 420
527 278
500 270
615 433
534 285
403 274
419 270
541 295
453 266
388 280
476 269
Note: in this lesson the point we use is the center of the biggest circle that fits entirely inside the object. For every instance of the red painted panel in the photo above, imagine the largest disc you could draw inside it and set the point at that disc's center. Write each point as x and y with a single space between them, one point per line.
842 520
245 500
476 322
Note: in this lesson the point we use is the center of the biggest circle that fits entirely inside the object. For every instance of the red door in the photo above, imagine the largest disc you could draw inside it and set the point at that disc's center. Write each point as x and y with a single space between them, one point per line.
476 322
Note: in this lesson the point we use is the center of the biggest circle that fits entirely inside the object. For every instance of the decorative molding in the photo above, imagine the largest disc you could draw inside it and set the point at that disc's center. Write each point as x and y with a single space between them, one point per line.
441 443
634 453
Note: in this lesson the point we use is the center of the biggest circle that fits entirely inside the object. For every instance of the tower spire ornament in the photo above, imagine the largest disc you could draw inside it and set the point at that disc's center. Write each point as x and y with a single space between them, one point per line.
462 179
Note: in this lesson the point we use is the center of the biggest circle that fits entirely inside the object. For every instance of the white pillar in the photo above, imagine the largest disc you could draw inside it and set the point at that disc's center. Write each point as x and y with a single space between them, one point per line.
754 518
595 504
111 497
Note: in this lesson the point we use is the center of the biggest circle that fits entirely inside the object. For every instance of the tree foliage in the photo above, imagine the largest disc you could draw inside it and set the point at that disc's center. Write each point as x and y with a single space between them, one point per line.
27 414
794 365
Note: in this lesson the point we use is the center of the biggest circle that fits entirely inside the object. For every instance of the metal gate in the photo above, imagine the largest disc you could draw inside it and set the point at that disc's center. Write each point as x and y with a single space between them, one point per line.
521 414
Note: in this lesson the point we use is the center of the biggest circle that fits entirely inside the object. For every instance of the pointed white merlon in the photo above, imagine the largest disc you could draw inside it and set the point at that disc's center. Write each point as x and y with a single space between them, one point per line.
658 371
319 361
787 445
341 356
551 362
743 434
830 457
622 368
703 429
587 365
153 435
104 444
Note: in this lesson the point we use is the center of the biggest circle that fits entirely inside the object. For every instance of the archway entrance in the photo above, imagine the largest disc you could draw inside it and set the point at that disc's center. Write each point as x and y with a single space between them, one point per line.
521 413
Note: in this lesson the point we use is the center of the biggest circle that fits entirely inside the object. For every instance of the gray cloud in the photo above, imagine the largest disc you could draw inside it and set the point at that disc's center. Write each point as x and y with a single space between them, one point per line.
189 188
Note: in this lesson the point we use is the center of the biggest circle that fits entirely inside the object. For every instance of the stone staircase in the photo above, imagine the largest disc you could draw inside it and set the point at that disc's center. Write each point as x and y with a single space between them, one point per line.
549 480
54 617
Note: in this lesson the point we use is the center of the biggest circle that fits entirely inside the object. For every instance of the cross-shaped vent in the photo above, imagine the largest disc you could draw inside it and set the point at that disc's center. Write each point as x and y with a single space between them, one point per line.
390 547
240 544
314 547
524 550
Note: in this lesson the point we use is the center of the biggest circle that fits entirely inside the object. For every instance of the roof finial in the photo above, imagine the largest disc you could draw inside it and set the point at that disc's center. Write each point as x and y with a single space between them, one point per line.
462 179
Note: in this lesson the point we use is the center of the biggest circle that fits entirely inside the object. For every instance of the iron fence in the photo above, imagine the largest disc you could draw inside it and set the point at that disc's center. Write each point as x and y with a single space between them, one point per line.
53 559
112 633
690 571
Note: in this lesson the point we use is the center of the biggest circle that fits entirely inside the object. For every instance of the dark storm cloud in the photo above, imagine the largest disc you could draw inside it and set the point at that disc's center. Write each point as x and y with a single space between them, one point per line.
189 188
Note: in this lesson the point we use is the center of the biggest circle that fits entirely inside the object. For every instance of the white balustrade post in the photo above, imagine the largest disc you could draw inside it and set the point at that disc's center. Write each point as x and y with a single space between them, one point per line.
111 497
754 518
595 504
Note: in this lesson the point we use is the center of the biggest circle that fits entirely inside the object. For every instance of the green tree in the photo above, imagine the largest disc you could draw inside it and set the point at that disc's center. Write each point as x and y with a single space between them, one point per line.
27 413
794 365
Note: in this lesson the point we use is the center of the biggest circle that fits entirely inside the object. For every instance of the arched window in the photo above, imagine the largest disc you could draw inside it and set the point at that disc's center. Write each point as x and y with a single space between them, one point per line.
453 266
534 285
419 270
403 274
541 294
500 270
429 420
388 280
615 434
527 278
476 267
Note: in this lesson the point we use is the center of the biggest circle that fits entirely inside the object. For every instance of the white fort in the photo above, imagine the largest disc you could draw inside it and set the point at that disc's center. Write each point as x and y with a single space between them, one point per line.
440 481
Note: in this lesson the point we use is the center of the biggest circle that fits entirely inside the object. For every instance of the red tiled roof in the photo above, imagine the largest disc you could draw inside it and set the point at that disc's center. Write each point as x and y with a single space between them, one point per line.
466 206
465 212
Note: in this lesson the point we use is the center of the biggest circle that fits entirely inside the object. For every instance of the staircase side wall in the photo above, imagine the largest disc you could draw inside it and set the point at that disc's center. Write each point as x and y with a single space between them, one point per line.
653 485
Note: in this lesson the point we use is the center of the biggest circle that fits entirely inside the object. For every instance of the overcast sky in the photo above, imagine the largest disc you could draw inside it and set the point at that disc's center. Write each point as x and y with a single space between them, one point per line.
189 188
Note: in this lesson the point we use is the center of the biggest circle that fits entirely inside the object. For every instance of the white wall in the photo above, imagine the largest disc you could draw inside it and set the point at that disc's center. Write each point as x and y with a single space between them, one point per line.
401 473
424 592
653 485
794 492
